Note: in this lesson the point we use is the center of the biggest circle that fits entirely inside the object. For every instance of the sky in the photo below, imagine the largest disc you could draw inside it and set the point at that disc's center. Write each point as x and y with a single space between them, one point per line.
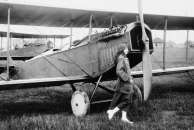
166 7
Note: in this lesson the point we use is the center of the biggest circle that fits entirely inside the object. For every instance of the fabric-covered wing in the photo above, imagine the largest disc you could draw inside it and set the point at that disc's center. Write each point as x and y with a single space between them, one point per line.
49 82
25 35
52 16
167 71
41 82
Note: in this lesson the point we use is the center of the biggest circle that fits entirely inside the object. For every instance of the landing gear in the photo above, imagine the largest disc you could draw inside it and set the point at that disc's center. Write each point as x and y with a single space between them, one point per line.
80 103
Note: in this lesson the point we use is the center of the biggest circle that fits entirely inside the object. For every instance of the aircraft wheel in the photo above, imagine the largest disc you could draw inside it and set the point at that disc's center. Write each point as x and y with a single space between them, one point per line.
80 103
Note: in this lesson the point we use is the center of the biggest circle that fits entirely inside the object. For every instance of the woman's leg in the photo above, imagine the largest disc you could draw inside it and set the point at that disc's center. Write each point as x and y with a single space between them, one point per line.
113 106
123 102
124 106
115 100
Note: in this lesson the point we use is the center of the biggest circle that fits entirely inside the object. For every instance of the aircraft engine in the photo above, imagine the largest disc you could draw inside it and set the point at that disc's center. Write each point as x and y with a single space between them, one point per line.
135 32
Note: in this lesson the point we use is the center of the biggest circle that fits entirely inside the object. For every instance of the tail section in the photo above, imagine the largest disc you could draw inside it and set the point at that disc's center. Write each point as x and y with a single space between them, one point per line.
3 69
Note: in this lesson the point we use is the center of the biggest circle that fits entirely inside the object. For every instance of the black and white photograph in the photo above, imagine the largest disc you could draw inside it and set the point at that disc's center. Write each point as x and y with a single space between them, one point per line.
96 65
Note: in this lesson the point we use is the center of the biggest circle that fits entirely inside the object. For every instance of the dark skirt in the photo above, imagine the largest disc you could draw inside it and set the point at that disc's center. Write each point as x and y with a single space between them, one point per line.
121 100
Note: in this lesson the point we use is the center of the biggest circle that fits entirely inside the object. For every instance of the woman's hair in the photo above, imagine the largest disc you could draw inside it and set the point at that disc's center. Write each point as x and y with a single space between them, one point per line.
120 51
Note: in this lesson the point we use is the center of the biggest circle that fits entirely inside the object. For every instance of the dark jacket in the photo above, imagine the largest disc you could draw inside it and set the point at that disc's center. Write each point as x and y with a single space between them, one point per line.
123 72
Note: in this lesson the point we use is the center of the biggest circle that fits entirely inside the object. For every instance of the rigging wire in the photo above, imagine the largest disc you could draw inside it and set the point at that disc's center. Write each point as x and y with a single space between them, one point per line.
190 76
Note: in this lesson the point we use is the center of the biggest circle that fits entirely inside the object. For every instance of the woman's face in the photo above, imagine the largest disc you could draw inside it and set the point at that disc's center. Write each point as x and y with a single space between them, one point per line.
126 51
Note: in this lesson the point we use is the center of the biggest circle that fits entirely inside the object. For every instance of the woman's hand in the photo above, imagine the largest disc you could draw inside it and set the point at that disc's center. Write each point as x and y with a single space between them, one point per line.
131 81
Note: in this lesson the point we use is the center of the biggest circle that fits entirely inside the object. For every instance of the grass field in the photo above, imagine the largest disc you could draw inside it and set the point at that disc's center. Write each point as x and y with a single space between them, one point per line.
170 106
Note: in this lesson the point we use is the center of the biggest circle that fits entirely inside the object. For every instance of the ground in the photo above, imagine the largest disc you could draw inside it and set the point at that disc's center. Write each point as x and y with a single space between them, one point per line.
170 106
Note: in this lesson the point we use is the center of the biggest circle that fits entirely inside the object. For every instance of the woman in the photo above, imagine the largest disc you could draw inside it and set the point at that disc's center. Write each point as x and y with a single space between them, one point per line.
122 101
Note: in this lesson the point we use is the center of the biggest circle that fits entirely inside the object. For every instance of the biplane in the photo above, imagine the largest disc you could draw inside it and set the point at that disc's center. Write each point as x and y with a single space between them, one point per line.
92 59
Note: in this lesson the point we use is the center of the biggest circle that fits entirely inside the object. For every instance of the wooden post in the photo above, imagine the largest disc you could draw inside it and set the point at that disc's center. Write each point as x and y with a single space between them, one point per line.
90 27
187 46
164 45
8 40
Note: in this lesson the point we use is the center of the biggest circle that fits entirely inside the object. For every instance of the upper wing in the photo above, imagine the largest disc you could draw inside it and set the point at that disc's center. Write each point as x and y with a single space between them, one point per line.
52 16
18 31
28 35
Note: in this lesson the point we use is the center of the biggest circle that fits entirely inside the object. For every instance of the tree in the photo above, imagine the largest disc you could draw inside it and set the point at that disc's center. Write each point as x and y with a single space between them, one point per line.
157 41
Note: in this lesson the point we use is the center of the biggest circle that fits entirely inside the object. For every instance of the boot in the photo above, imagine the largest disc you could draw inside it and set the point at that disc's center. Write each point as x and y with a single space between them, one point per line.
124 118
112 112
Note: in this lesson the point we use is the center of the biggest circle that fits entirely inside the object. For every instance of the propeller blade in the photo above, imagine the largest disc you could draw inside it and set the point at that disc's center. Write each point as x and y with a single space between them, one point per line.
147 71
147 64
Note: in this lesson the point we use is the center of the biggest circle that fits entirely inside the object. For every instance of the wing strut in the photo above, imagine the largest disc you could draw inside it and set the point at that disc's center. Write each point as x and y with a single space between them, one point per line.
71 32
111 21
8 40
90 28
187 47
147 65
1 42
164 45
54 41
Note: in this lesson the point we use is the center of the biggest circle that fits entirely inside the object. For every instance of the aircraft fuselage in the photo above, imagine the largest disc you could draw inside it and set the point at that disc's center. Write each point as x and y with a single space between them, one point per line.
94 58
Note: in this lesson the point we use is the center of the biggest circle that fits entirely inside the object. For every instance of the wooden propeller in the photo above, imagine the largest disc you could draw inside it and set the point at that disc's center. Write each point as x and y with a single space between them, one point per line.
147 64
